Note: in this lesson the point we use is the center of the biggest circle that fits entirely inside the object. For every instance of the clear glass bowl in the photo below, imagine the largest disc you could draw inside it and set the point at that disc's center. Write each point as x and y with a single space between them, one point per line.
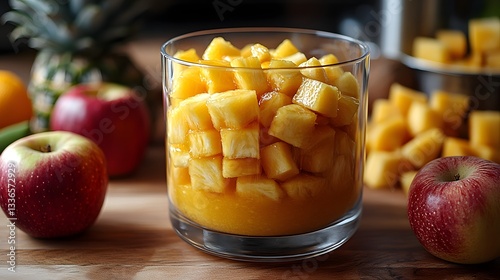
265 140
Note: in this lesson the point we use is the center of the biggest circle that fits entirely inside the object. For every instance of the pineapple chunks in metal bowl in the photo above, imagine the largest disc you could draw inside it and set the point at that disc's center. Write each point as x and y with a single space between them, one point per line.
261 131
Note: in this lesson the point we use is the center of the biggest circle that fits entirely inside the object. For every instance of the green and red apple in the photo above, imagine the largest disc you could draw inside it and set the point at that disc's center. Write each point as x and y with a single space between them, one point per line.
114 116
52 184
454 209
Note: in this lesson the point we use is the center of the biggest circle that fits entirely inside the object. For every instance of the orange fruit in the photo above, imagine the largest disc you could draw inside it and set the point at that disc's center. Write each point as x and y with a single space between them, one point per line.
15 104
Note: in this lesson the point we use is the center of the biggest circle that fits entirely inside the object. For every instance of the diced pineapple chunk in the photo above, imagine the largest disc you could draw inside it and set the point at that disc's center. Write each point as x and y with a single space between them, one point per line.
206 174
177 126
348 85
487 152
285 48
237 167
318 97
188 55
261 52
251 76
383 109
382 169
342 172
188 83
218 76
347 108
241 143
259 186
204 143
424 147
311 70
453 146
233 109
344 145
388 135
455 42
269 103
304 186
430 49
452 107
484 34
405 180
402 97
484 128
219 49
283 76
293 124
332 72
421 117
318 156
179 155
180 176
297 58
196 112
277 161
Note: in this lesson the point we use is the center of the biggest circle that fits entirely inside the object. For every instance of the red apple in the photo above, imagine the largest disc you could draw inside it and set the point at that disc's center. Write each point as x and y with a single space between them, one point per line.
52 184
112 115
454 209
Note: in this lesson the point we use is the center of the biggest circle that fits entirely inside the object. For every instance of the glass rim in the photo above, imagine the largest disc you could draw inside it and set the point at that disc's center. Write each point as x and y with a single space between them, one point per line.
269 30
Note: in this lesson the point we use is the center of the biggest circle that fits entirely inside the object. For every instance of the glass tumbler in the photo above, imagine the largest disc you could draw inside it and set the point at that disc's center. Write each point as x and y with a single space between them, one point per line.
265 140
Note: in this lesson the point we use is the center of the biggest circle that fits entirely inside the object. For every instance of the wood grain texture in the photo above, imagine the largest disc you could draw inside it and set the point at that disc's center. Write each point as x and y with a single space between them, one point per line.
133 239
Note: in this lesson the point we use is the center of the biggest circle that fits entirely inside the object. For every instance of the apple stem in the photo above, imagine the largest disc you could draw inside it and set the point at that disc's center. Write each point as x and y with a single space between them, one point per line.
457 177
46 149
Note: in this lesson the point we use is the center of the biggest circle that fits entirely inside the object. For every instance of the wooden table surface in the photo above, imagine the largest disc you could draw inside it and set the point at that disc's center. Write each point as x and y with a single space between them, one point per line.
133 238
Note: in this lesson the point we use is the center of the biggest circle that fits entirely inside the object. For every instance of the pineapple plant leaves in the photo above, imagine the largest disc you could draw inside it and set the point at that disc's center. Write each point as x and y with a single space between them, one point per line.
77 42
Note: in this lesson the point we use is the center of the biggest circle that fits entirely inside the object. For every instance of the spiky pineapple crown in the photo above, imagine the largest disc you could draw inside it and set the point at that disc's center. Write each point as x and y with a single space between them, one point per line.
76 26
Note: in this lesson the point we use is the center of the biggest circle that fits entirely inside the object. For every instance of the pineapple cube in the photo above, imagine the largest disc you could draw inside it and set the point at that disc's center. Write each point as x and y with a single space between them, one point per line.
251 76
196 112
347 108
421 117
384 109
318 156
277 161
297 58
218 76
311 70
342 172
304 186
487 152
405 180
293 124
283 76
177 125
484 128
484 34
204 143
453 146
452 107
233 109
180 176
241 143
237 167
219 49
431 49
348 85
269 103
388 135
402 97
206 174
332 72
179 155
344 145
285 48
382 169
318 97
424 147
187 55
258 186
455 42
188 83
261 52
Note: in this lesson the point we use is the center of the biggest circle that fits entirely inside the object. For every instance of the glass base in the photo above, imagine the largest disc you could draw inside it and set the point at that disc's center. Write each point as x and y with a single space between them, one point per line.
268 249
